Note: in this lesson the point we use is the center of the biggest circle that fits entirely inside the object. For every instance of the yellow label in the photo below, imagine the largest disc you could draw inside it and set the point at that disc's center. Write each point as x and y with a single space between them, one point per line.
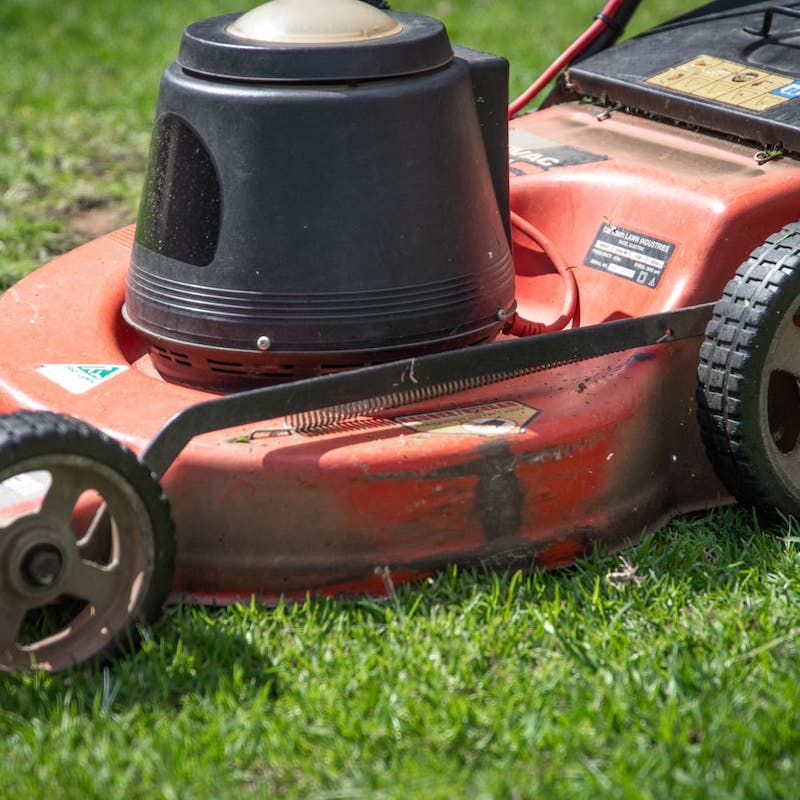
727 82
487 419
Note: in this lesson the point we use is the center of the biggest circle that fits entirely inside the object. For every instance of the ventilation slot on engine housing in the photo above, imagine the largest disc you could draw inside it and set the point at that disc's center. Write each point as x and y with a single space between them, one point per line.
182 359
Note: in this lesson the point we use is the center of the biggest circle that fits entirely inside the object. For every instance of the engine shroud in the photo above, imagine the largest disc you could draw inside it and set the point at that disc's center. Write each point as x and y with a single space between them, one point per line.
314 207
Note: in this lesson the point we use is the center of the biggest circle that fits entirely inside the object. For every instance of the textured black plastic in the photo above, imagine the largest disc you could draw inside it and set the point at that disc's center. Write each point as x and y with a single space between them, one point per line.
183 212
208 49
490 85
358 222
618 75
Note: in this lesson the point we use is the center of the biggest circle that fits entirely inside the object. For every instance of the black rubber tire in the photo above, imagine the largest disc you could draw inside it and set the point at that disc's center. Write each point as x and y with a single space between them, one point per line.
29 435
748 407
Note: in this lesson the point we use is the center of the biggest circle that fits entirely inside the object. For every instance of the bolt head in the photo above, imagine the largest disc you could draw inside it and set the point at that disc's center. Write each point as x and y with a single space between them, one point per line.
42 565
263 343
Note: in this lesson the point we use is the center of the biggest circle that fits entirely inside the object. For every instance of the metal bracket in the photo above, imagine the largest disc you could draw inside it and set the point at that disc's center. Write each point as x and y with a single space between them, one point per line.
347 394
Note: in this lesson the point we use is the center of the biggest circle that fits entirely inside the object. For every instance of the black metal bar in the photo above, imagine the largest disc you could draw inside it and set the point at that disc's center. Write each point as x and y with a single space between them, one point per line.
766 23
494 362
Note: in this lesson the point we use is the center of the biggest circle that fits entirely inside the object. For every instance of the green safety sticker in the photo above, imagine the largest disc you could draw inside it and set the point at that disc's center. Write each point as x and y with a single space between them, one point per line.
80 378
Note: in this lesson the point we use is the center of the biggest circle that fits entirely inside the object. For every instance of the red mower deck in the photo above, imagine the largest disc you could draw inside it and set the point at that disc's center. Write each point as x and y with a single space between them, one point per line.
362 353
500 474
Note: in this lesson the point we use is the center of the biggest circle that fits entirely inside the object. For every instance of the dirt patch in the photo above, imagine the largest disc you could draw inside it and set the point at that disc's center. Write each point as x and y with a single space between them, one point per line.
93 222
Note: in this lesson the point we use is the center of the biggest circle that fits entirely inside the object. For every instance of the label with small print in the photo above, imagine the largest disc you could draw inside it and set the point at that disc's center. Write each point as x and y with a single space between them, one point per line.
629 254
728 82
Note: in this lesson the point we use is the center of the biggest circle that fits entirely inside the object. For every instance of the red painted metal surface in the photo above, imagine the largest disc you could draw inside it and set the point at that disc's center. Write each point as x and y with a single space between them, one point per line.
610 448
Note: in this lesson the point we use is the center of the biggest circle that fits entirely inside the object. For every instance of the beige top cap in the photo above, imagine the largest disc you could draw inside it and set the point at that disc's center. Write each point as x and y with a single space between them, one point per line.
314 22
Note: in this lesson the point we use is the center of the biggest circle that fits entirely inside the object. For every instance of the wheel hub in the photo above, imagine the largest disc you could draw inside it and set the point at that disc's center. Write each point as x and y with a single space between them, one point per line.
37 555
781 398
80 574
42 564
750 378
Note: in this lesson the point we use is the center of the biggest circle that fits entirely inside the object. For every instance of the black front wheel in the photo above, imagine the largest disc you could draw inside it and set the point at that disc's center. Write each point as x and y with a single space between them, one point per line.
87 547
749 378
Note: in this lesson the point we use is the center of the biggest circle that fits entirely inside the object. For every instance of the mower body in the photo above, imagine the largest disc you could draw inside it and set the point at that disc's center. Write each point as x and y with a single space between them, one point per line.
651 214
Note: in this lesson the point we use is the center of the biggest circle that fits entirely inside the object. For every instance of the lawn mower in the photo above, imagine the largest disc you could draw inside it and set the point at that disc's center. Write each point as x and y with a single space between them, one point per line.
366 327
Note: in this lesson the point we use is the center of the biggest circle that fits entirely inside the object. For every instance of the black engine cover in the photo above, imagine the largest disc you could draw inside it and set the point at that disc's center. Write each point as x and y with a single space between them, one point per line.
290 227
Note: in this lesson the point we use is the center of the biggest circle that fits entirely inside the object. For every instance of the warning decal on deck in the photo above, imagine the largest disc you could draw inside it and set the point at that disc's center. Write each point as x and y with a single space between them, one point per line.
635 256
730 83
487 419
79 378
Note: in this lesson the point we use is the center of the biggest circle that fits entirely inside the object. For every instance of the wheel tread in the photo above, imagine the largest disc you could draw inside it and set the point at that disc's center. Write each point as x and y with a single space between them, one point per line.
725 369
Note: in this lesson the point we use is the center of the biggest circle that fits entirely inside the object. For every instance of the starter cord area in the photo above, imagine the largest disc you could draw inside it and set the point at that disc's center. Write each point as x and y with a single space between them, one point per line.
519 326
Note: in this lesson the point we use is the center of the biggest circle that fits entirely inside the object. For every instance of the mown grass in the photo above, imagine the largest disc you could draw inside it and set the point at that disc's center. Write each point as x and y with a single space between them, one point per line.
671 674
676 679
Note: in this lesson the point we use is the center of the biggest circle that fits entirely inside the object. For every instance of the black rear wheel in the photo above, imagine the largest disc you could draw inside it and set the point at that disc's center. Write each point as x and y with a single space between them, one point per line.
87 547
749 378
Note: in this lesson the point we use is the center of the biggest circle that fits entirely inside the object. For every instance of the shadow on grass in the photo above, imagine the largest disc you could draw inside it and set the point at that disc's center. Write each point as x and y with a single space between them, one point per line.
192 655
198 655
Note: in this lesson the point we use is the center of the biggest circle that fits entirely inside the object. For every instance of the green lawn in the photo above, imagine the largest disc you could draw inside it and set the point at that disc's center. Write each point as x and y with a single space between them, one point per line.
678 679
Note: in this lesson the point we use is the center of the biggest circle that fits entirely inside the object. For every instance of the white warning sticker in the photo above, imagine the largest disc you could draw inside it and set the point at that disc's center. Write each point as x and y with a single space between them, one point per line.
80 378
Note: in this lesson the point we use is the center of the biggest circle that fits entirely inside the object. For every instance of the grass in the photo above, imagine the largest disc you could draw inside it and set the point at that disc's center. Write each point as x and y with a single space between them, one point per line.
672 673
79 81
678 679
